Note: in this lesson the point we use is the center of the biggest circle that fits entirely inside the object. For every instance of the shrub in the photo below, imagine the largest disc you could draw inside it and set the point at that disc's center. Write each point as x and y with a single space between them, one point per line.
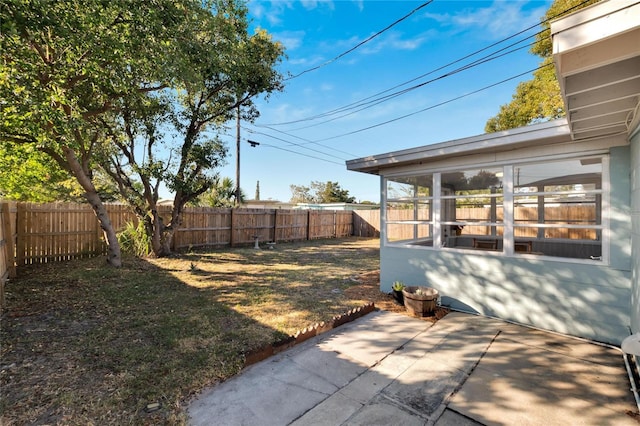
134 240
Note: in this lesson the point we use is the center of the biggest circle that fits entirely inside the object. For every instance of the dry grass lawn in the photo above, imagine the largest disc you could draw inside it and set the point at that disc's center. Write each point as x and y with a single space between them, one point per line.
86 344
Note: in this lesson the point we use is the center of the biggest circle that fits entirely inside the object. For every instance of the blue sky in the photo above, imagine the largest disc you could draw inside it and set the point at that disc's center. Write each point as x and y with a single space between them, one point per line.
315 32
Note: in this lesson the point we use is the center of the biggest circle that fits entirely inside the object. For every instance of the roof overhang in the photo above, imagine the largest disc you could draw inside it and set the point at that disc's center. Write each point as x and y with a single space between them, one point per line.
597 58
551 132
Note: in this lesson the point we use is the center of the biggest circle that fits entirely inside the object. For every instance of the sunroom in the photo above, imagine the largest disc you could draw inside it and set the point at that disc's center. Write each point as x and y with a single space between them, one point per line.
540 207
539 224
526 225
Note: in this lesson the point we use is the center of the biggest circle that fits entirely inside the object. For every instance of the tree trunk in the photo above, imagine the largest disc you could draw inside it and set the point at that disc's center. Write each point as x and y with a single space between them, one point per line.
114 257
158 238
163 235
167 239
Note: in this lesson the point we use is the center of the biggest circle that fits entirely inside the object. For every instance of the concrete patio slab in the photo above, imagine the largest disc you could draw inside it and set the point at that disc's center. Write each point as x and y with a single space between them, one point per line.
387 368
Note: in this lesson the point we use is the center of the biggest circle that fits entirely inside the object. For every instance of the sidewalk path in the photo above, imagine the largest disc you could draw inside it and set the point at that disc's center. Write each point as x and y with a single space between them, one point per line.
387 368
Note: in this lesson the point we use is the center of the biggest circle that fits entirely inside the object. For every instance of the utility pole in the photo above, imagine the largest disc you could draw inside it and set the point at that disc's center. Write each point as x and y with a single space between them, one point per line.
238 155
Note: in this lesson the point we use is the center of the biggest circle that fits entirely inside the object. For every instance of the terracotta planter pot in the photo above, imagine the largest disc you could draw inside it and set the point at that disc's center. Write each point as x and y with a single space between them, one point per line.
420 304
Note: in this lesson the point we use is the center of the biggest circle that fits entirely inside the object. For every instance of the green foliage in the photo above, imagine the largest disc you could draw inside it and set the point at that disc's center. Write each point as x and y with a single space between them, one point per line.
300 194
134 240
535 100
140 89
27 174
538 99
320 192
222 69
69 66
397 285
221 194
66 63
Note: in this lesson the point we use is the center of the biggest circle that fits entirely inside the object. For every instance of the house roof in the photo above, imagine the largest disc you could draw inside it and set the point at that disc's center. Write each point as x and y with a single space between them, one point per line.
597 57
551 132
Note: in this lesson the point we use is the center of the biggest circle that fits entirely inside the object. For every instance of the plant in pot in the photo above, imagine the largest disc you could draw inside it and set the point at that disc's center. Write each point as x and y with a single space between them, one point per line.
420 301
397 288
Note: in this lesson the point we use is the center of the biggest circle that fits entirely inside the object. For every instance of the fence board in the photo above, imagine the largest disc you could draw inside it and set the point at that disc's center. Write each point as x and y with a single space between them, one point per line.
7 247
290 225
203 226
366 223
344 223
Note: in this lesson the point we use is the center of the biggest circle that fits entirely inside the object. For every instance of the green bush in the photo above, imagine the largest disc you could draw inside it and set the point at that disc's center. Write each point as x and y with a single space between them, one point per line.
134 240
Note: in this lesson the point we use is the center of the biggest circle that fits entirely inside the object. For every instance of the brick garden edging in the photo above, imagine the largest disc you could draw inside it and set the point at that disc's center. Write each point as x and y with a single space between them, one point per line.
266 351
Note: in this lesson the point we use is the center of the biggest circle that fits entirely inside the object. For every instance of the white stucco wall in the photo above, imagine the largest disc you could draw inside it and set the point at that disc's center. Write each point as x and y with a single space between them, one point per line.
583 300
635 231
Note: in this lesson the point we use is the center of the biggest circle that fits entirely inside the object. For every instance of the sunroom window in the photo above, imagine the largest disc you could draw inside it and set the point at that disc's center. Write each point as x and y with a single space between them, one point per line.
550 208
558 208
409 213
472 209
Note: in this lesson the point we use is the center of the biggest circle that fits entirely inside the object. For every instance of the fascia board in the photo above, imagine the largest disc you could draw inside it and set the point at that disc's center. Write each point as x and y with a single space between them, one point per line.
543 133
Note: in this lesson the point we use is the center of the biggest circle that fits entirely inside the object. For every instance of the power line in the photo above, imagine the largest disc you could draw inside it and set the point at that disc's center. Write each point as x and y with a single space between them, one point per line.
362 42
293 143
300 138
361 102
380 100
477 62
288 150
299 153
434 106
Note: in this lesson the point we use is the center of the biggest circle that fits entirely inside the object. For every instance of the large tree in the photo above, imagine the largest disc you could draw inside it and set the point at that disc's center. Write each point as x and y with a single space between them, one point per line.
67 63
86 82
169 137
538 99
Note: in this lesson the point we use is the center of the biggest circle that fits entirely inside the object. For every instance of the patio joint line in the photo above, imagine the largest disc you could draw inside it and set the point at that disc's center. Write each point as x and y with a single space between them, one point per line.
445 403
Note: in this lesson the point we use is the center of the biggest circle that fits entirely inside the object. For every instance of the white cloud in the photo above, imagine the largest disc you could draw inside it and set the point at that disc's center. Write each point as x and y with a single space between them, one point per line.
500 19
308 62
271 11
395 41
290 39
285 112
312 4
326 87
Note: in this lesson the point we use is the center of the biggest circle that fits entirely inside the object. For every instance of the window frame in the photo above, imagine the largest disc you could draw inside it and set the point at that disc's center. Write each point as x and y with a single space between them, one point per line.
415 200
508 223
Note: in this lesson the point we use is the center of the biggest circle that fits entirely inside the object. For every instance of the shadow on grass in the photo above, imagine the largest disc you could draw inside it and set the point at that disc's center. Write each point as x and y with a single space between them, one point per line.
84 343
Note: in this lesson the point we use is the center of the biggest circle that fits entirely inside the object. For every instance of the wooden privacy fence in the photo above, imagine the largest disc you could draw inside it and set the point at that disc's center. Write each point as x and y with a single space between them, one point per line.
38 233
366 223
202 226
7 253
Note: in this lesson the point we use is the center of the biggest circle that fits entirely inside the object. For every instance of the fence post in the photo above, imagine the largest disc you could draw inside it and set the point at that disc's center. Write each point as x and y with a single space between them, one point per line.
231 231
20 234
275 226
309 224
9 246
